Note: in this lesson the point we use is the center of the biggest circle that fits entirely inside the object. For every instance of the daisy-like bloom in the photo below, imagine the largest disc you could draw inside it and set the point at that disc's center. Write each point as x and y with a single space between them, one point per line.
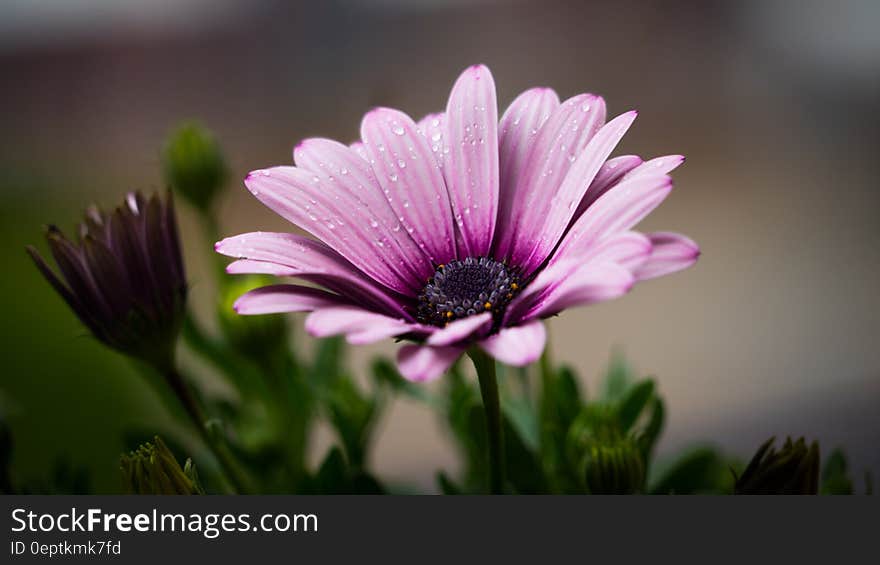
123 277
461 229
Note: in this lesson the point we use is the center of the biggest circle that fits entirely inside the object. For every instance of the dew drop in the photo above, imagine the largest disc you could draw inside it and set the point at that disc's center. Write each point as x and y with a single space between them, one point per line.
401 163
397 129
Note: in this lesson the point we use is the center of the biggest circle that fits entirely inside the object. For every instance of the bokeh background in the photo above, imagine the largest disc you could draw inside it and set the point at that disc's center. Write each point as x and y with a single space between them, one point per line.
774 103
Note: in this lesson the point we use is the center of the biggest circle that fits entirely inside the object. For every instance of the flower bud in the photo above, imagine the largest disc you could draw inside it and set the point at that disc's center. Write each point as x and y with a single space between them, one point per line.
123 276
194 165
152 469
792 470
614 467
258 337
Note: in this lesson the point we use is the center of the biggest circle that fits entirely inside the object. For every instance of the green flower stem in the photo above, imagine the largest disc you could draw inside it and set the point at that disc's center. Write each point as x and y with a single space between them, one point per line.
233 472
485 367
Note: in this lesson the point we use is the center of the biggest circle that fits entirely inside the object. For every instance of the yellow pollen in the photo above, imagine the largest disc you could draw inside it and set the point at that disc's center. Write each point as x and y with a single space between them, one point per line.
514 286
448 314
487 305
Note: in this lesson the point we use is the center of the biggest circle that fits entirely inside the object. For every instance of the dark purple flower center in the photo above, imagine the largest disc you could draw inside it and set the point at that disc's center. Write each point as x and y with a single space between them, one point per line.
463 288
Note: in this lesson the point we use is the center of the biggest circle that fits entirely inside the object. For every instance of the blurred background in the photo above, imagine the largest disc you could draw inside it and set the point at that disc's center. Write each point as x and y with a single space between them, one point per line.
775 104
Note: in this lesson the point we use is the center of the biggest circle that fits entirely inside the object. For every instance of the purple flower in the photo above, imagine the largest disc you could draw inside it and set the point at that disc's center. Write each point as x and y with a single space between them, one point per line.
461 229
123 276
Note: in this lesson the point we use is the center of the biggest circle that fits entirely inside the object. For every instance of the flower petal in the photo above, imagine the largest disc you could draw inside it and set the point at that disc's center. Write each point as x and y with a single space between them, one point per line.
671 252
311 260
622 168
411 181
552 221
558 142
340 166
433 127
591 283
609 175
320 208
471 167
461 329
517 345
280 298
617 210
358 325
421 363
657 166
251 267
628 249
517 130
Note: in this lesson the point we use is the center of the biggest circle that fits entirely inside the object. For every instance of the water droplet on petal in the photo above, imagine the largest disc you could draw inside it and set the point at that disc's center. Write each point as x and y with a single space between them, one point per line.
401 163
397 129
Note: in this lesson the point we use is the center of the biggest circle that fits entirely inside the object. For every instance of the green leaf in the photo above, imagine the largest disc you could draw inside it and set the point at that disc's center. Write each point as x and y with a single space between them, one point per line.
332 475
617 378
835 475
365 483
385 373
523 419
329 359
568 397
651 433
524 471
352 416
700 470
447 485
633 403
